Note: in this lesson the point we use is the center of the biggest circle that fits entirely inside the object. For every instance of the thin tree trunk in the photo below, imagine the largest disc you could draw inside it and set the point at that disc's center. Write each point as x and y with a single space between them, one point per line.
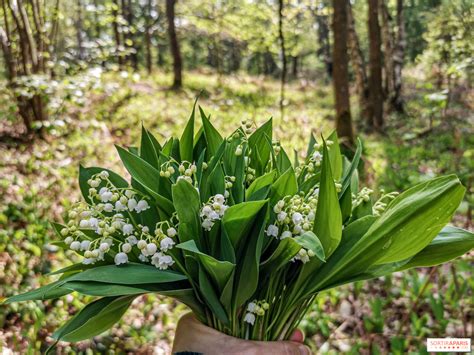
79 31
117 33
359 65
295 66
131 35
148 56
340 73
324 50
375 61
174 45
398 55
281 37
387 40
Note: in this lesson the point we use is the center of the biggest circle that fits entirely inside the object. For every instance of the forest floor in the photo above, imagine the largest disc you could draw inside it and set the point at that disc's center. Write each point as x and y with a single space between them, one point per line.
38 182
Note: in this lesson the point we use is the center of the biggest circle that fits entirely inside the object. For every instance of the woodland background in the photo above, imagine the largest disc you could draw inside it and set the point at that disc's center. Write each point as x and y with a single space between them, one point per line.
77 76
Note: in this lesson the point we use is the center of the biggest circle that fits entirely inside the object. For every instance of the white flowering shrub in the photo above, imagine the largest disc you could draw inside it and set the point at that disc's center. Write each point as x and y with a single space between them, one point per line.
238 232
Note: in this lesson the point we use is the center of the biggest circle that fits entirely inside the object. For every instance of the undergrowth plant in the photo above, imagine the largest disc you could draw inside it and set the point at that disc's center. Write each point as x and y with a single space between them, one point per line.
240 233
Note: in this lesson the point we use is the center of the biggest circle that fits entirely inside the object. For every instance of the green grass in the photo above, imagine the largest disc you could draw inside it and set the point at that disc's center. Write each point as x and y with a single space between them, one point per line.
38 183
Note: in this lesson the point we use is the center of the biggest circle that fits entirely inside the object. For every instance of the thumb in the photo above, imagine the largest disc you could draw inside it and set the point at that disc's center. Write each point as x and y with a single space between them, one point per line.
297 336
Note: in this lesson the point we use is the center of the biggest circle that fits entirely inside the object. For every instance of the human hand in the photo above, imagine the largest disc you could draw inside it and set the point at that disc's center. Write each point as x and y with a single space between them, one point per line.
193 336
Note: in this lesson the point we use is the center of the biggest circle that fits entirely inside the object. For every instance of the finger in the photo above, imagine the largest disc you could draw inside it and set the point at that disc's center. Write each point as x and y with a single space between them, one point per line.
297 336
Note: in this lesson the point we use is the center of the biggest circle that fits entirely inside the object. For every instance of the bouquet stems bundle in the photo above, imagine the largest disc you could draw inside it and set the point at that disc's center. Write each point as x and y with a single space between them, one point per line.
234 229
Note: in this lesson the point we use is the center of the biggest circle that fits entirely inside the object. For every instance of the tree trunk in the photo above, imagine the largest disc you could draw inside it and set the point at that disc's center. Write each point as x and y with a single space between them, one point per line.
324 50
117 33
341 74
376 120
281 37
148 56
174 45
387 40
359 65
80 32
398 54
295 66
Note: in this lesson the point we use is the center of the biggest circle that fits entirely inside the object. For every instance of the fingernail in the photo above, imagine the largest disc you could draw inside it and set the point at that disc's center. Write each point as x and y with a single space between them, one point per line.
304 350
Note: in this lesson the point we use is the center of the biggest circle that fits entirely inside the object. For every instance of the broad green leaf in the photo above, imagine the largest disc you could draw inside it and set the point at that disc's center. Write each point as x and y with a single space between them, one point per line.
450 243
106 314
309 183
128 274
335 157
346 181
188 204
102 289
186 141
147 176
147 149
260 151
408 225
219 271
328 220
415 217
283 162
238 220
285 185
213 138
50 291
247 273
260 182
345 202
227 293
285 251
167 147
310 149
200 144
211 297
310 241
77 267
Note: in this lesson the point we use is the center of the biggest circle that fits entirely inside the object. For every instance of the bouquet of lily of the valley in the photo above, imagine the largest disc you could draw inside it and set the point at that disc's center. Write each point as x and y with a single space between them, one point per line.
240 233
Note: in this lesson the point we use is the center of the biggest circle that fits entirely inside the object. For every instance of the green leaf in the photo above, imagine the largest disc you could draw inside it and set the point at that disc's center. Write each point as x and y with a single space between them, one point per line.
310 241
310 149
238 220
328 220
260 182
50 291
283 162
102 289
147 149
219 271
450 243
187 139
94 319
285 251
77 267
128 274
415 217
346 181
147 176
211 298
260 154
335 156
188 204
404 229
345 202
285 185
248 270
213 138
